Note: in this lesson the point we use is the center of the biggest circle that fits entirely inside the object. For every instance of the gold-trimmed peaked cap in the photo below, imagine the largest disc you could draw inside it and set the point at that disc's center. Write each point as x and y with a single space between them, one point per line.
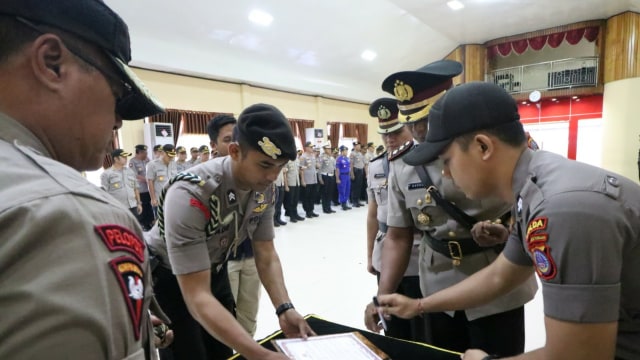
386 111
266 129
417 91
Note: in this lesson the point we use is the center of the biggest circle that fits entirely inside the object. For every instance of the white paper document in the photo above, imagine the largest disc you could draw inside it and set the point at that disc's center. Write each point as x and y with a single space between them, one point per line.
328 347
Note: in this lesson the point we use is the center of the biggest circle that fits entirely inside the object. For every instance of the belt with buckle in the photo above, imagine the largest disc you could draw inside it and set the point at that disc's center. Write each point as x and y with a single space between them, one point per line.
456 249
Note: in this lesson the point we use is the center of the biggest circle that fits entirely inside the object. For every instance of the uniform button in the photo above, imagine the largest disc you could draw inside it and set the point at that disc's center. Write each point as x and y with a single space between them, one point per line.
452 234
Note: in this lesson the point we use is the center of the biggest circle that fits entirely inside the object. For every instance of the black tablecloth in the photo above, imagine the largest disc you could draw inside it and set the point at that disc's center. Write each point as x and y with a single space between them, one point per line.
395 348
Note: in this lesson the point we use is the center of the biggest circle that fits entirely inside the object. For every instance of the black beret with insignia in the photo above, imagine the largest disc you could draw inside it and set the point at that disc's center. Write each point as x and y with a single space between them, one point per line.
416 91
386 110
266 129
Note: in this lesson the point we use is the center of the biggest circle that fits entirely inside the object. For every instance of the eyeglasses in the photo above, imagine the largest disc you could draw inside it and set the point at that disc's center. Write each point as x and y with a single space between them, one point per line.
121 89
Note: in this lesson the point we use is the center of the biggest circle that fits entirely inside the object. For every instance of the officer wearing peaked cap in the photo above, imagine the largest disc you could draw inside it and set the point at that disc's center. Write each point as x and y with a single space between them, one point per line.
451 251
76 281
397 139
416 91
203 216
575 225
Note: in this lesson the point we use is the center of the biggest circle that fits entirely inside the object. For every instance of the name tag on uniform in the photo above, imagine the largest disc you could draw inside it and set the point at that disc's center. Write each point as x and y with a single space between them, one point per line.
416 186
378 176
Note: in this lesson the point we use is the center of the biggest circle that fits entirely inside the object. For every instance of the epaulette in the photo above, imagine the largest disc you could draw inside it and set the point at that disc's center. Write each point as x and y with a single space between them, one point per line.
385 153
403 149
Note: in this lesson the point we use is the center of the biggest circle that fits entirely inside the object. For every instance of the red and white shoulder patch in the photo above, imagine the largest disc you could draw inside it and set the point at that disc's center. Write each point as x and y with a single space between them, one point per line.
130 277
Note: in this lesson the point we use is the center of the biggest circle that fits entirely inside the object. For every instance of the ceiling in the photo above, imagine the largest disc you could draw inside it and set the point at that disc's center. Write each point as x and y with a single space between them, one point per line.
314 46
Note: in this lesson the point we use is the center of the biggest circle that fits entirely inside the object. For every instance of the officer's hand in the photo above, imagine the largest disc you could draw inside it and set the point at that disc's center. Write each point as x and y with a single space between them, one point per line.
398 305
294 325
486 233
139 209
162 335
154 202
371 318
473 354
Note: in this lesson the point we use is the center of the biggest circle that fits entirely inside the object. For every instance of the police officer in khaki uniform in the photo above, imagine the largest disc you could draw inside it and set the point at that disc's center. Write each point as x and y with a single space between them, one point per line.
120 182
449 252
159 171
398 140
204 217
74 273
308 179
292 190
328 178
576 226
181 159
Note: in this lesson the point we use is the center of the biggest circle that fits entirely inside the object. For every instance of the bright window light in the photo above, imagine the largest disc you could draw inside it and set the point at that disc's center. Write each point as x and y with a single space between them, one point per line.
260 17
368 55
455 5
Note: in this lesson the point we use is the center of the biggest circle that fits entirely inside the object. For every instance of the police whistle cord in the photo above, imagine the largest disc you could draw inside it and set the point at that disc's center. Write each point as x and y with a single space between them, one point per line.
214 203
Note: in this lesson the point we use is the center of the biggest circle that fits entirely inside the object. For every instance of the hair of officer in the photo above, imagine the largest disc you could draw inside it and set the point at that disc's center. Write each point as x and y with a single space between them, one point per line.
218 121
511 134
14 35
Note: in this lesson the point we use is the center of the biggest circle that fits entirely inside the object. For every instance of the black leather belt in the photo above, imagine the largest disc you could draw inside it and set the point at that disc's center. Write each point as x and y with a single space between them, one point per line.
456 249
382 227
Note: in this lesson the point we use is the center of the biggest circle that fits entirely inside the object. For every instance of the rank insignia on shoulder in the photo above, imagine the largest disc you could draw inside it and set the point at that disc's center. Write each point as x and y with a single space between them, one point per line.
129 276
403 149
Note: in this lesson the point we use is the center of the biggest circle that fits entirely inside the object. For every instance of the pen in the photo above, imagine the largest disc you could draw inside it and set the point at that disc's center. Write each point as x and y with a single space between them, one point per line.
377 305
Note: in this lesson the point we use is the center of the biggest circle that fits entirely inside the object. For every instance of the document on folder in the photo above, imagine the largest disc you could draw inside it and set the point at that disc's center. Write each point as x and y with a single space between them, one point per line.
352 346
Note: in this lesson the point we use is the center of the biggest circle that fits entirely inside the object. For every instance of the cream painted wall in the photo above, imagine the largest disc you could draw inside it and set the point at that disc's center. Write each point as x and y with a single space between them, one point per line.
621 128
188 93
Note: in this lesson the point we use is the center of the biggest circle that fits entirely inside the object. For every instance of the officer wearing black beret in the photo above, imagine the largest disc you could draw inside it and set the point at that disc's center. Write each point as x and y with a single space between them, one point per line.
416 91
203 217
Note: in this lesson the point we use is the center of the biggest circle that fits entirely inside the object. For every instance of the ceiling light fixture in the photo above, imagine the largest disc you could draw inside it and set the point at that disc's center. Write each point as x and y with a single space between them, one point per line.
455 5
369 55
260 17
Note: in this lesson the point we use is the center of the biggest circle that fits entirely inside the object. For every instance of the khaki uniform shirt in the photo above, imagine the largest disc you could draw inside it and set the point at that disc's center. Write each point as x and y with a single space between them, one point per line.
139 167
160 174
407 199
327 165
293 173
237 214
357 159
120 184
75 283
579 226
308 165
377 188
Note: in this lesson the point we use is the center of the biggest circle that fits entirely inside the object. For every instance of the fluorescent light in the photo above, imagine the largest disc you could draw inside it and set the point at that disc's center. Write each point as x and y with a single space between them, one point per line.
455 5
260 17
369 55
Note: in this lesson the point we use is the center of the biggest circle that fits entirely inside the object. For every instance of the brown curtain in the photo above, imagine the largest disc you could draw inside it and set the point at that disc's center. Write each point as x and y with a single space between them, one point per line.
171 116
298 127
361 133
334 133
108 160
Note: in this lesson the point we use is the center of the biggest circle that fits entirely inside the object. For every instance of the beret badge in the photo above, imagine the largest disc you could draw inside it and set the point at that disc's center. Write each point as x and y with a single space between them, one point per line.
269 148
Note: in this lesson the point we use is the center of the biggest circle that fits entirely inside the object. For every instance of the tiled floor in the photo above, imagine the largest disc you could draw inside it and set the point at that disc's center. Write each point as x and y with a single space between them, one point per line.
324 264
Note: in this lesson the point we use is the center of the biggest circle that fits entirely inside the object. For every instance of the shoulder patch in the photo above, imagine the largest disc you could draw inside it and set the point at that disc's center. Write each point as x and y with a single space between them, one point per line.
119 238
539 223
129 276
403 149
